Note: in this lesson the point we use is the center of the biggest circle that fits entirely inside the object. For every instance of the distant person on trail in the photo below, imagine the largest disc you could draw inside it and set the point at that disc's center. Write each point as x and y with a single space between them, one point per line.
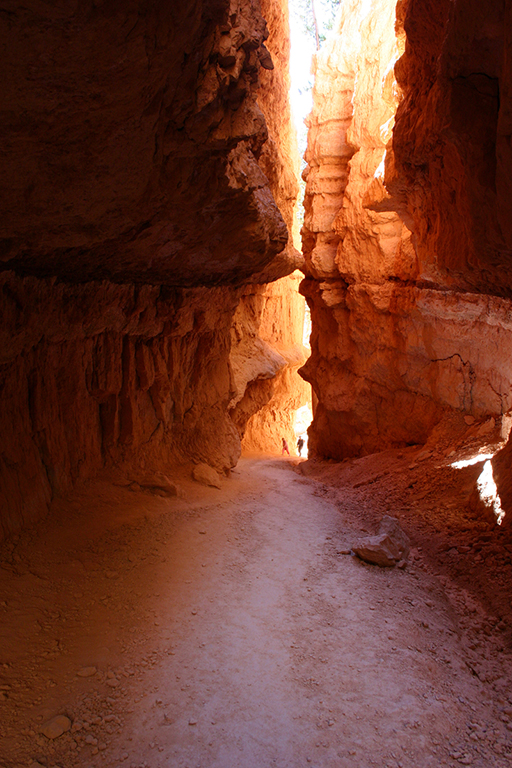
285 448
300 445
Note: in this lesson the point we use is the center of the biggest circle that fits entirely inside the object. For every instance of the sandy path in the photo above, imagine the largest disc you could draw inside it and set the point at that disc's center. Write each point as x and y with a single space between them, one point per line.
226 631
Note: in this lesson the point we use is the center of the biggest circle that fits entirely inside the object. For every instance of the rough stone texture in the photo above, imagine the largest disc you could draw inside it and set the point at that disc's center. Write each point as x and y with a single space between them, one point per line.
130 142
206 475
451 168
402 358
387 548
452 150
502 475
134 201
266 354
158 483
56 726
100 374
267 330
410 308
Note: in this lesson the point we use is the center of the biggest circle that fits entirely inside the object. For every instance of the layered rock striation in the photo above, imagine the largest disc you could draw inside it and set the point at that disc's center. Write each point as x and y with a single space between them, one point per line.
405 232
147 182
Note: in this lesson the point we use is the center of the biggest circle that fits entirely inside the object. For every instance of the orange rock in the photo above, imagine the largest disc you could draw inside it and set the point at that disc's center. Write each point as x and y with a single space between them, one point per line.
145 189
398 339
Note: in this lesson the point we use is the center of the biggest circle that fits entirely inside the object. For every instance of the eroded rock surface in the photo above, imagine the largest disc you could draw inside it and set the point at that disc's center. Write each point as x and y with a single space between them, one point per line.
130 142
148 179
266 354
387 548
403 238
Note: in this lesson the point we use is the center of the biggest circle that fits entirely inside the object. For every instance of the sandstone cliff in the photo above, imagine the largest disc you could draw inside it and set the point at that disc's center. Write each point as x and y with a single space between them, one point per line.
130 142
403 236
147 181
266 353
268 324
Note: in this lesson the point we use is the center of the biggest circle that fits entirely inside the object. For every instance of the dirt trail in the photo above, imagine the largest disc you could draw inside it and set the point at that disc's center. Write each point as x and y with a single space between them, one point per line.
227 630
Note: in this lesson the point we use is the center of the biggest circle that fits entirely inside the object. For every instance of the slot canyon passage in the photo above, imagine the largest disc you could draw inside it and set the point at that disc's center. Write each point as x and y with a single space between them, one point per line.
173 590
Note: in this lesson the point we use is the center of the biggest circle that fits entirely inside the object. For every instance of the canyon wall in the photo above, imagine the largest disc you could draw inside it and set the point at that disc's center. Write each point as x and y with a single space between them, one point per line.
147 183
267 348
267 352
406 233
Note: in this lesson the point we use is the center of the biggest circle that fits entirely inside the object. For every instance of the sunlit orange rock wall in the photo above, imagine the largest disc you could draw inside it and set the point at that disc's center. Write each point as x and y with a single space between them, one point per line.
266 353
146 183
267 331
406 223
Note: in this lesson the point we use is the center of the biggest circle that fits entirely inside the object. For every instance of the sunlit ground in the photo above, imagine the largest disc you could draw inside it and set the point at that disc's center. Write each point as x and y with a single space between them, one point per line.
303 418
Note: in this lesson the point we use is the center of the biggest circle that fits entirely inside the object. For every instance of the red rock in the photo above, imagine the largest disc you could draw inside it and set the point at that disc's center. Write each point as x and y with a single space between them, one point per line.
389 547
404 234
205 475
146 179
114 142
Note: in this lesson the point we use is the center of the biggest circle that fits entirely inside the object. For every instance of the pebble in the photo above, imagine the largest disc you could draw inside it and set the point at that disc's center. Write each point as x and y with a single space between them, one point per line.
192 721
87 672
56 726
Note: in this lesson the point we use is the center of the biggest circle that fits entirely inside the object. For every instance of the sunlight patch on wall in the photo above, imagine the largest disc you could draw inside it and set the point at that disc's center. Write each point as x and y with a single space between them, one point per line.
485 484
471 461
489 493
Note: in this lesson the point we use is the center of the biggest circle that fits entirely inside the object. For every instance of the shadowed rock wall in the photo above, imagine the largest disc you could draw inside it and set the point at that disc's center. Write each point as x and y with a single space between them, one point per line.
100 374
146 182
405 238
130 141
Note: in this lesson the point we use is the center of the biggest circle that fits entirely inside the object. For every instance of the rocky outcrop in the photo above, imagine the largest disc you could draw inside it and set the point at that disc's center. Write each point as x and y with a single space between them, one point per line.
404 250
98 375
130 142
501 503
268 325
267 352
147 182
450 171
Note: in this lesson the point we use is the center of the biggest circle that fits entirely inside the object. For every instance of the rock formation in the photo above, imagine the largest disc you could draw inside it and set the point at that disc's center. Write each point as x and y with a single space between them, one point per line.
147 181
387 548
407 227
266 354
268 324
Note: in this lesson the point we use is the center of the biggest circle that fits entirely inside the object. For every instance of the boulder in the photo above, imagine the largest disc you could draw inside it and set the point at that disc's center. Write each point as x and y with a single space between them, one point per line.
56 726
159 483
205 475
387 548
